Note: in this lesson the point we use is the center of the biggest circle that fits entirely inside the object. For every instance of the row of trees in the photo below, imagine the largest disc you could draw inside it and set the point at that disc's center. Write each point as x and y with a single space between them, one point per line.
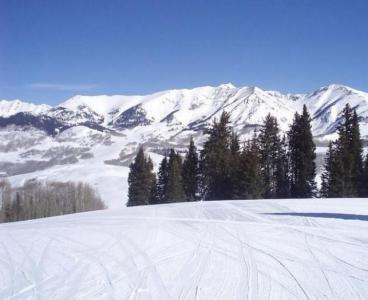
268 165
177 181
346 173
37 199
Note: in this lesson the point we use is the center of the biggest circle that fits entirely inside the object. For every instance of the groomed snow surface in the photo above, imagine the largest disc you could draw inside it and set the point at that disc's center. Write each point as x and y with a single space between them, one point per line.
261 249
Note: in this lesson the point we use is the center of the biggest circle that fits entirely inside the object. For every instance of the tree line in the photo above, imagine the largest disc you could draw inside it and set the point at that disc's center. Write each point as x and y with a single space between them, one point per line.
269 165
37 199
346 172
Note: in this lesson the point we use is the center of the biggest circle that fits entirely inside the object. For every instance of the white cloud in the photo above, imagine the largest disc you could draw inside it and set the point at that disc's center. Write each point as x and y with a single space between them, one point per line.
61 87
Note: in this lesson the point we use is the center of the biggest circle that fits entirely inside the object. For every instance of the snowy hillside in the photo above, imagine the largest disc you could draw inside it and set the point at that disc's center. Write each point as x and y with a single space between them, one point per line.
263 249
327 103
94 138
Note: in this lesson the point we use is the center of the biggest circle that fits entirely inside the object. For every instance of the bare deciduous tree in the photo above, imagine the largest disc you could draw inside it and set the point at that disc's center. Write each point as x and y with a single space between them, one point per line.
36 199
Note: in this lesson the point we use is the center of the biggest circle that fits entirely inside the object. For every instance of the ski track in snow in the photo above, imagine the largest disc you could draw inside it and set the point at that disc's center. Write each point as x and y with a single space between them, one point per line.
203 250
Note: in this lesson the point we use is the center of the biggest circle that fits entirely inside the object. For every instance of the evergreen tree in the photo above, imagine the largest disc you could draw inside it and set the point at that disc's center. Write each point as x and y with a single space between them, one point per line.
234 143
332 176
191 173
326 175
174 189
345 147
154 196
343 174
163 178
250 180
234 166
357 156
215 161
282 172
273 171
302 155
140 180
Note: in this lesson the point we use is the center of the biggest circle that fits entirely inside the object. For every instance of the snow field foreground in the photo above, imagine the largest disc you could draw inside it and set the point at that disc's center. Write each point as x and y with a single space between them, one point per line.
260 249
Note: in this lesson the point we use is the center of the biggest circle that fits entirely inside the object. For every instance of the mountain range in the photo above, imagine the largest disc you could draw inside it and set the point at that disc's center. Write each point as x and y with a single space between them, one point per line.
93 138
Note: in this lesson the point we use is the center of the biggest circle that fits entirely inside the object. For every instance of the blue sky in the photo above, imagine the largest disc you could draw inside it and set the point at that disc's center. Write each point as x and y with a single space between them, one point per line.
51 50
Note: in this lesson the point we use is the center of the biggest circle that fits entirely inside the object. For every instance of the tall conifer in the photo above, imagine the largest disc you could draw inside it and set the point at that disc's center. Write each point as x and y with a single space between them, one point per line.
140 180
250 180
270 150
162 180
282 171
234 165
174 189
302 156
215 161
343 174
191 173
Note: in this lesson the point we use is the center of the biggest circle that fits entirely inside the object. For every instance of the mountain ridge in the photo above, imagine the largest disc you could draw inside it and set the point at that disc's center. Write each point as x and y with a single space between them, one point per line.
194 109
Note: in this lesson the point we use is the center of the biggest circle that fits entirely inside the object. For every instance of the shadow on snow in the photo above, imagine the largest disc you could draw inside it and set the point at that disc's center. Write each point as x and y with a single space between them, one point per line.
323 215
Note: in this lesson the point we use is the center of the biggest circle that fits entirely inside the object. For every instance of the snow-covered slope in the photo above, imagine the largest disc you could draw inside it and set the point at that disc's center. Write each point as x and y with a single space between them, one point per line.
327 103
273 249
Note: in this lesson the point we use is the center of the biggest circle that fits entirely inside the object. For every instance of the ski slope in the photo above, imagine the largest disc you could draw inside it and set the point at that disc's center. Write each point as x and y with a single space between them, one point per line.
261 249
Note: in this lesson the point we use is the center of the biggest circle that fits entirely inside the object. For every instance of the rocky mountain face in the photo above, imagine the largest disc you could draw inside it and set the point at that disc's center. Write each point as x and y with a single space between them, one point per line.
93 138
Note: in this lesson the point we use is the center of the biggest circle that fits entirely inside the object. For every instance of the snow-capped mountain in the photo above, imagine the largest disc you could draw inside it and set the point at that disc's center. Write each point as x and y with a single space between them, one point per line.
93 138
193 109
12 107
327 103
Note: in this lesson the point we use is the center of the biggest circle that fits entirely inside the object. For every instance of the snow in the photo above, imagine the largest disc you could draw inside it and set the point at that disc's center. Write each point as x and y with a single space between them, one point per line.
11 107
190 104
327 103
260 249
248 105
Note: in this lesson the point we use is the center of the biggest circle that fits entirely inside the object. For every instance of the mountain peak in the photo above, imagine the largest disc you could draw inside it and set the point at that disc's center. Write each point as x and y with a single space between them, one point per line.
12 107
228 85
335 87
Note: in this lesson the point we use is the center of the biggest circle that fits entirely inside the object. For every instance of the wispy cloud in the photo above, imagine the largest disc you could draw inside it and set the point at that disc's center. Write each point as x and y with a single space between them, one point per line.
61 87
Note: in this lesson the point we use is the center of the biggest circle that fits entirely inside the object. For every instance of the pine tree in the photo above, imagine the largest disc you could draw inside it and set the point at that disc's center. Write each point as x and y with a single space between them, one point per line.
174 189
343 174
234 143
163 178
140 180
250 180
302 155
154 196
234 166
326 175
190 173
215 161
344 142
271 152
282 172
356 148
333 175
